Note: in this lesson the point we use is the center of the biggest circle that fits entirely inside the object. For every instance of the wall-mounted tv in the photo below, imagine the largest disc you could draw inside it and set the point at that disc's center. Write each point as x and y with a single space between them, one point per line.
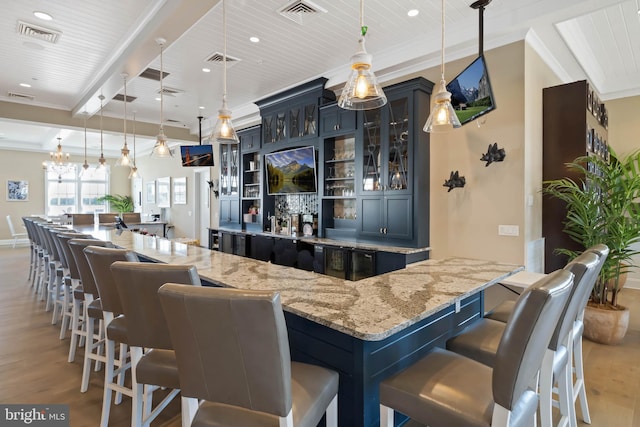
196 155
471 94
291 171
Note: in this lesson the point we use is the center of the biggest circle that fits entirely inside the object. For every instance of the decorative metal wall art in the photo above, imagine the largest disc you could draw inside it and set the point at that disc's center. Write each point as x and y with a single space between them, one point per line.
493 154
454 181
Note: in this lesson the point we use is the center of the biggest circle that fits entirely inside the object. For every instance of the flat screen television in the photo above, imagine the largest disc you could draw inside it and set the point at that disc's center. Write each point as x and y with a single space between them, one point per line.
196 155
471 94
291 171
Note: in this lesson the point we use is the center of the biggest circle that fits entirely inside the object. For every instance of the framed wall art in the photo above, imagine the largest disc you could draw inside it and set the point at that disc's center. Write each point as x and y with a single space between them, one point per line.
17 191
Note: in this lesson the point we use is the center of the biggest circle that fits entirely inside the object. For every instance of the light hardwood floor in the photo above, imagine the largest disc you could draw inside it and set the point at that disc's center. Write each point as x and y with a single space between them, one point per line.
34 368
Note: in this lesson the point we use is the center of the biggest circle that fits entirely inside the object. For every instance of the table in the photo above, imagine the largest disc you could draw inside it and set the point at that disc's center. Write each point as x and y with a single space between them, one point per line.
366 330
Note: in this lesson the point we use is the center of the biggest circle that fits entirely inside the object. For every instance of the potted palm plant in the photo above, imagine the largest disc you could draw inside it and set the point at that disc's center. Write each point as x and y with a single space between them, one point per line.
603 207
118 202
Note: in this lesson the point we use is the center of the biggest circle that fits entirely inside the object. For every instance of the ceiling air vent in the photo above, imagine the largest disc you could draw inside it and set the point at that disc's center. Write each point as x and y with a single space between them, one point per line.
218 58
153 74
38 32
120 97
298 10
169 91
20 96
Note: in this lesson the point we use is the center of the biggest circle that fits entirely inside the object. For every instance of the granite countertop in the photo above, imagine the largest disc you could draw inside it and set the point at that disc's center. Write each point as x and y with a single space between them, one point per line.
370 309
333 242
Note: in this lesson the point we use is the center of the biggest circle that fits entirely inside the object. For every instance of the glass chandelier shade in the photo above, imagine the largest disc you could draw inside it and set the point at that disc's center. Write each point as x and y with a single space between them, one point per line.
442 117
161 148
124 160
362 91
224 132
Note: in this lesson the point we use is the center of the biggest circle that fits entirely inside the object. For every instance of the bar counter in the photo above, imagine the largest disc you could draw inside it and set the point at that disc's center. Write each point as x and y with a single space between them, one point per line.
366 330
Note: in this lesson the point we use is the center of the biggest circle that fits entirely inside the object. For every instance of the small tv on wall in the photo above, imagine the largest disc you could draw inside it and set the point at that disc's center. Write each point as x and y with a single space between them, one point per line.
471 94
196 155
291 171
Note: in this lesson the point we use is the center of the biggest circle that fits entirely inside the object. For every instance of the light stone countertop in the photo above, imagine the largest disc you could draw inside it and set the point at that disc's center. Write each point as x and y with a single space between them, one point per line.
370 309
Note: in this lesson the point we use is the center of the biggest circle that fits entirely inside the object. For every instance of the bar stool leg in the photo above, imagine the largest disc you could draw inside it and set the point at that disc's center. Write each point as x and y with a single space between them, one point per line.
579 390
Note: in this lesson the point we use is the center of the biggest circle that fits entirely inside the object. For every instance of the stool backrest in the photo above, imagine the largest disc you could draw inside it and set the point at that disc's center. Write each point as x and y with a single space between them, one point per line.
82 219
231 346
526 336
100 260
10 223
107 218
131 217
138 285
583 268
64 238
86 276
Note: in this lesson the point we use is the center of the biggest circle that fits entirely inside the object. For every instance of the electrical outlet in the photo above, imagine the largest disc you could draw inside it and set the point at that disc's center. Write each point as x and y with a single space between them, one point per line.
508 230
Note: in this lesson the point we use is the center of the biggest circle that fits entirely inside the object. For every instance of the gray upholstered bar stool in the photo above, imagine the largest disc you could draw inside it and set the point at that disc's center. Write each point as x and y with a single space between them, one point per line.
100 260
447 389
73 297
153 361
92 309
232 350
28 224
56 270
480 342
503 311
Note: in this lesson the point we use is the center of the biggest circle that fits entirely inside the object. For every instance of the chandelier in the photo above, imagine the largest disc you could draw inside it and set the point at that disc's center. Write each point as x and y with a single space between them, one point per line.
59 162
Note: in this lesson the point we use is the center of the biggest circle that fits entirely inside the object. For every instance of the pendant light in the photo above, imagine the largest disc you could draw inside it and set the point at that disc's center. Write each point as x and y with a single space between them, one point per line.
442 117
124 152
101 159
362 91
133 173
85 165
161 149
223 132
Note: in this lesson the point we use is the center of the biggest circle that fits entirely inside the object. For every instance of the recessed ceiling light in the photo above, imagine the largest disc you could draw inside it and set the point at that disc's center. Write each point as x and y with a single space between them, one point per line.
254 39
158 99
201 107
25 85
42 15
413 12
206 70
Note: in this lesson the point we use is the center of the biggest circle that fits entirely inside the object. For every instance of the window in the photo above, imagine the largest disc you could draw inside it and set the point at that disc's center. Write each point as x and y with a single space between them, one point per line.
73 192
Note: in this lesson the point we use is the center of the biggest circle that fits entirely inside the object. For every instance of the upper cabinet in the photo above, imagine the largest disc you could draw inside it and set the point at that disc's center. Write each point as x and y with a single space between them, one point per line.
292 116
335 120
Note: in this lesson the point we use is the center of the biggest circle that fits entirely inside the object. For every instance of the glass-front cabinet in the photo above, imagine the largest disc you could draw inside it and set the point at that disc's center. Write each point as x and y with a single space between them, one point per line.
393 165
229 171
229 185
386 151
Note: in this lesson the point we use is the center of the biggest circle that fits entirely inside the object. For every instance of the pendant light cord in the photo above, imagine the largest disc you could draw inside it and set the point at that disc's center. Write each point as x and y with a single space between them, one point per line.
134 138
85 137
125 110
224 55
101 151
161 90
442 50
363 28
